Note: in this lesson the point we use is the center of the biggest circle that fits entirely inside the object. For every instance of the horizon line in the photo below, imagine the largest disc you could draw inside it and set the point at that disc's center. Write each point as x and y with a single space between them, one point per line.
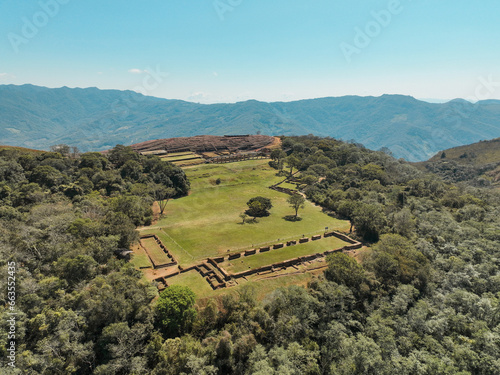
426 100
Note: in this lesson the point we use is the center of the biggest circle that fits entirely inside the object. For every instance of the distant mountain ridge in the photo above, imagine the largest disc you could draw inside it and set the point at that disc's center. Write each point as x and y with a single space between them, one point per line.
93 119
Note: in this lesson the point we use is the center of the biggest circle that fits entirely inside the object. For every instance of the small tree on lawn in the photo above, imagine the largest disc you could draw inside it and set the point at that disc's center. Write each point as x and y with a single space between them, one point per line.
296 201
243 217
258 207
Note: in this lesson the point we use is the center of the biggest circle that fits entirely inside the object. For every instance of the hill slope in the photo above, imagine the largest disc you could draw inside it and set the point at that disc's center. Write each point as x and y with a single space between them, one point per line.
478 163
94 119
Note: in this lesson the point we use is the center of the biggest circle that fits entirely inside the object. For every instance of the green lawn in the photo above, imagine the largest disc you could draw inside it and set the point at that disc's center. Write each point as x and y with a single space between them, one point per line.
140 259
206 223
202 289
194 281
279 255
288 185
263 288
155 251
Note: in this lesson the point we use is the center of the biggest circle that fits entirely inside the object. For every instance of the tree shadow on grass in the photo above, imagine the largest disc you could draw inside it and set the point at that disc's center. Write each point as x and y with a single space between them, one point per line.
292 218
248 221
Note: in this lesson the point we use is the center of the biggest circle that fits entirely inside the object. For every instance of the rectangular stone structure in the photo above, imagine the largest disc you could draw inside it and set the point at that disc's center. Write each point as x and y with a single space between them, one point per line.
234 256
278 246
304 240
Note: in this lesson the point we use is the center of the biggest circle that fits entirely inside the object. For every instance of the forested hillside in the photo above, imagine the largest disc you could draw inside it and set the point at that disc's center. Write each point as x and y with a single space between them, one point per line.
424 300
62 219
477 163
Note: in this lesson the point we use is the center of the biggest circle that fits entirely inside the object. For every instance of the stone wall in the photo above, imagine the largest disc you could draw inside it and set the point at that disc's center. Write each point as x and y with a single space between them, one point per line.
172 262
341 236
218 277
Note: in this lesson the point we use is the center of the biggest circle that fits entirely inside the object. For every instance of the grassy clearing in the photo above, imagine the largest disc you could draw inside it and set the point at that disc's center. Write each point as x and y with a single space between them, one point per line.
210 154
279 255
263 288
206 223
155 251
187 163
140 259
288 185
194 281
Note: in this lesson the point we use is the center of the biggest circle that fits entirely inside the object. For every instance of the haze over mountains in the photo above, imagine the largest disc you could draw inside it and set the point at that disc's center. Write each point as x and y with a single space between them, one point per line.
93 119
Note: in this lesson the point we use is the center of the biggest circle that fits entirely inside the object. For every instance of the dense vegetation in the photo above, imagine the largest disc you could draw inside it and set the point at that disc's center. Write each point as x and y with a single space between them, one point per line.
425 300
62 219
477 164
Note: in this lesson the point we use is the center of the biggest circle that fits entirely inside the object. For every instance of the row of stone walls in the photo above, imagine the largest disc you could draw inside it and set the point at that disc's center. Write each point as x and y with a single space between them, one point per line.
341 236
235 158
209 269
302 240
288 263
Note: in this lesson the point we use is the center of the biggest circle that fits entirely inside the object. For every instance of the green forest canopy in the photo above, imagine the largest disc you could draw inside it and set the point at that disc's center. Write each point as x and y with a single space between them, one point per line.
425 301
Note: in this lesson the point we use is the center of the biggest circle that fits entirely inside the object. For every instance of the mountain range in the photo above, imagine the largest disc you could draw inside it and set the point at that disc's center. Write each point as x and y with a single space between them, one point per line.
94 119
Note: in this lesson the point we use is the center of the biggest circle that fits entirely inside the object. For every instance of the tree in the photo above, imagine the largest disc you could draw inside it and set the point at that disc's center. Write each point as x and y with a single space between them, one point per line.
278 155
120 154
278 159
48 176
344 269
293 162
395 260
259 206
175 309
243 217
63 149
132 170
162 195
296 201
369 219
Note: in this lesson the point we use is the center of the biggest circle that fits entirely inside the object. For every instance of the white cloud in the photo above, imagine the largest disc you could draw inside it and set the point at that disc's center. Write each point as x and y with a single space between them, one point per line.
136 71
199 97
215 74
7 76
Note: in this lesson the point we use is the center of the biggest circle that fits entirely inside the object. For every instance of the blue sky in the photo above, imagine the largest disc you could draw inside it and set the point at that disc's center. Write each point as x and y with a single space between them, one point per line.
231 50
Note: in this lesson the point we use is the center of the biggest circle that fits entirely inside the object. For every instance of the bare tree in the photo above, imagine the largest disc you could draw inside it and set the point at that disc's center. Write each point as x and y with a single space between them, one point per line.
162 195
